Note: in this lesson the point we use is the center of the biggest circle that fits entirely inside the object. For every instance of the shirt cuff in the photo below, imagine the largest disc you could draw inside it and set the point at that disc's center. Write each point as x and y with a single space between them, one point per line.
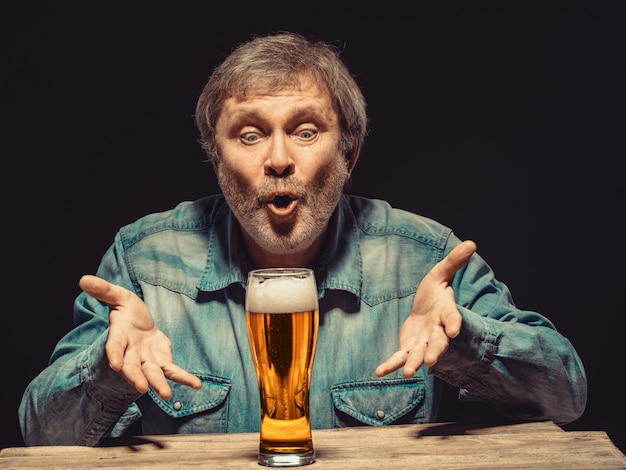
470 354
104 384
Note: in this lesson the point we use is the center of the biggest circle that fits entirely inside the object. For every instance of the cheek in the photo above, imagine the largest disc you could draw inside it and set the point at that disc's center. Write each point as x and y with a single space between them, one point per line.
244 170
232 182
320 161
236 158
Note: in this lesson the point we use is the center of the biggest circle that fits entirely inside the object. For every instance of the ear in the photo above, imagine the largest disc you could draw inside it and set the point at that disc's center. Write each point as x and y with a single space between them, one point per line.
352 158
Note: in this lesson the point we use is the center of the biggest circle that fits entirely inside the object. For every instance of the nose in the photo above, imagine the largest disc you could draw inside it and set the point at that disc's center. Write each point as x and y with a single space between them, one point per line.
279 161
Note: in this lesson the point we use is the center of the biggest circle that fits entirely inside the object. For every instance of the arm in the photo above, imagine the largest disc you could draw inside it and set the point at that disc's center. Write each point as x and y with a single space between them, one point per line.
78 398
135 347
101 367
465 326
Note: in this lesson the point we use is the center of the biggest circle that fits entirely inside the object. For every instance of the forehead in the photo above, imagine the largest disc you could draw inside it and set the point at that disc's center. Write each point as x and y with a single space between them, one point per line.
304 97
273 84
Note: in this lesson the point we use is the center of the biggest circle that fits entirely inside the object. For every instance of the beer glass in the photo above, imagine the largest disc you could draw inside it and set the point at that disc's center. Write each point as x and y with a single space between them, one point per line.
282 319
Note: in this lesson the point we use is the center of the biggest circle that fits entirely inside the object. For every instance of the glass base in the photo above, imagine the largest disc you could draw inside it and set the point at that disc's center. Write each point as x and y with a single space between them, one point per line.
297 459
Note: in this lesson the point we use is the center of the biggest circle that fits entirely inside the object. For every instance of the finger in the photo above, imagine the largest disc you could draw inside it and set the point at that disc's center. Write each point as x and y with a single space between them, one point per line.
103 290
115 348
437 345
445 270
156 379
132 370
181 376
452 323
414 360
397 360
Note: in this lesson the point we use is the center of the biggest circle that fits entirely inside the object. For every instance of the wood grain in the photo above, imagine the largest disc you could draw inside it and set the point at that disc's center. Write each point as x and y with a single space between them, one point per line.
437 446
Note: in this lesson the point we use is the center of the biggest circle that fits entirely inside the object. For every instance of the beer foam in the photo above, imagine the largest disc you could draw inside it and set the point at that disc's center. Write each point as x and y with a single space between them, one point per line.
282 295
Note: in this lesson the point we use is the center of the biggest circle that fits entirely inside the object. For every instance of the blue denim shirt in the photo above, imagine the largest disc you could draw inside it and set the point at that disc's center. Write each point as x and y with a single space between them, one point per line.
188 267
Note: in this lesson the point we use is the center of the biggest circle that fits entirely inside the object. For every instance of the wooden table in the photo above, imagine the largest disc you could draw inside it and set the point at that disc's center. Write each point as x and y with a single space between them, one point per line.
438 445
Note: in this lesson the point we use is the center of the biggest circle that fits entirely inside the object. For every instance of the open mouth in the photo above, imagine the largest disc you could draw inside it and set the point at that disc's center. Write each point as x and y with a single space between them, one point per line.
281 201
282 204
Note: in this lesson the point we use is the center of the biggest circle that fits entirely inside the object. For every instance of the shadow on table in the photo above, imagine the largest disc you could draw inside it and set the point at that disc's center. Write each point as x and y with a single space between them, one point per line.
460 429
131 442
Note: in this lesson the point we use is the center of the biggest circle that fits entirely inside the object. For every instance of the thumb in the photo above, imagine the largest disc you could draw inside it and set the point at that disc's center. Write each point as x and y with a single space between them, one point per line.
103 290
445 270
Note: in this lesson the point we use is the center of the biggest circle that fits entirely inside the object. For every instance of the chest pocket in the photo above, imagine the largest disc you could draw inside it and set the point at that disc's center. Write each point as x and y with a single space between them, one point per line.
189 410
379 402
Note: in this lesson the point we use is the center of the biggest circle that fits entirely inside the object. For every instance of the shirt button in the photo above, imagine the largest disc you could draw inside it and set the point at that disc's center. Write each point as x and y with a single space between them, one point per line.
177 405
380 414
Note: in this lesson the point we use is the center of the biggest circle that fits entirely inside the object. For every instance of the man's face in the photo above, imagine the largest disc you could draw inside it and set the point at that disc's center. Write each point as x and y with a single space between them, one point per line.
281 169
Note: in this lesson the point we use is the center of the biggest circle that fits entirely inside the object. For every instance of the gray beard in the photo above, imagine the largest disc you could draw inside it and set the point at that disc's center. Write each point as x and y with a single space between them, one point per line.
316 203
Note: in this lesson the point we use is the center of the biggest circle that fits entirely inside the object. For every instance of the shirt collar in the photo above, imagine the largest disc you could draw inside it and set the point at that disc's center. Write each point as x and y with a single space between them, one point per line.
340 265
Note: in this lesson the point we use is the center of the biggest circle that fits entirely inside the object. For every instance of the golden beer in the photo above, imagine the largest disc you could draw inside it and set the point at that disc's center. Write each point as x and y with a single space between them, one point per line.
282 320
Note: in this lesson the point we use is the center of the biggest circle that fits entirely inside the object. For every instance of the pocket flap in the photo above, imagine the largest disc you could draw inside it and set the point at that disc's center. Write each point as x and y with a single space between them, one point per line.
378 402
185 400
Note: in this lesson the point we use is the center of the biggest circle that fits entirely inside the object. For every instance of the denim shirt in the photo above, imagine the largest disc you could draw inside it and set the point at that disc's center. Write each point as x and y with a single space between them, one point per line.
188 267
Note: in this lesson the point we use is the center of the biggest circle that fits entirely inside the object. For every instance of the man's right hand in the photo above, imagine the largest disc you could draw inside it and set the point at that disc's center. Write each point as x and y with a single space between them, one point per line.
136 347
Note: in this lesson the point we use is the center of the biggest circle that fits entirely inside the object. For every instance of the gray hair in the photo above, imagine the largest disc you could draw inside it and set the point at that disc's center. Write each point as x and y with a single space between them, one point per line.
271 63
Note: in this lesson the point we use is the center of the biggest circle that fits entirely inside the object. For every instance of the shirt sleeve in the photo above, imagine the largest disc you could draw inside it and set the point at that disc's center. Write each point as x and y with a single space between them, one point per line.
78 399
513 359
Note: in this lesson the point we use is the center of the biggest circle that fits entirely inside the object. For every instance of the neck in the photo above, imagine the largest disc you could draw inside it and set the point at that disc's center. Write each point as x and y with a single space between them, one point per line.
298 259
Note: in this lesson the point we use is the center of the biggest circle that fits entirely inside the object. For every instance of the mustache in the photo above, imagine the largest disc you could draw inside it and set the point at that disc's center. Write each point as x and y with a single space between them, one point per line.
268 189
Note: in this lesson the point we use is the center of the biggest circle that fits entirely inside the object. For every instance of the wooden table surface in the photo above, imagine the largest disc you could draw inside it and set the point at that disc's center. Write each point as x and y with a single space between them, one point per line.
420 446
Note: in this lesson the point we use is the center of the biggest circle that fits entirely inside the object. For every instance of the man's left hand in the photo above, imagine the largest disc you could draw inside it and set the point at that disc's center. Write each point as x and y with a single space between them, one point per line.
434 319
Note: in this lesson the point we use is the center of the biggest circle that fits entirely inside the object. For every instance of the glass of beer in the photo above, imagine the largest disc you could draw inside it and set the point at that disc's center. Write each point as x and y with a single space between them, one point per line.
282 319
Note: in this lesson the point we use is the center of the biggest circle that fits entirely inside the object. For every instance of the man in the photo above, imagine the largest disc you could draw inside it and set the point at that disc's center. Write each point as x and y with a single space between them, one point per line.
160 331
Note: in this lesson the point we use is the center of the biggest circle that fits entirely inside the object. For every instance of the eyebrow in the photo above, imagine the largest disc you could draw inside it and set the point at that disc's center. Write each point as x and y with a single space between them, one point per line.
254 113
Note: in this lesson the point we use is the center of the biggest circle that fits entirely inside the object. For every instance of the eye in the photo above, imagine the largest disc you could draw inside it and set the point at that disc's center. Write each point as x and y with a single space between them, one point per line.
306 134
250 137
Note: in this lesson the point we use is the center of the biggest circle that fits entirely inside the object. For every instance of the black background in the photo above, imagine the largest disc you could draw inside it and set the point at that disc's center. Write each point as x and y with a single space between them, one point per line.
503 120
